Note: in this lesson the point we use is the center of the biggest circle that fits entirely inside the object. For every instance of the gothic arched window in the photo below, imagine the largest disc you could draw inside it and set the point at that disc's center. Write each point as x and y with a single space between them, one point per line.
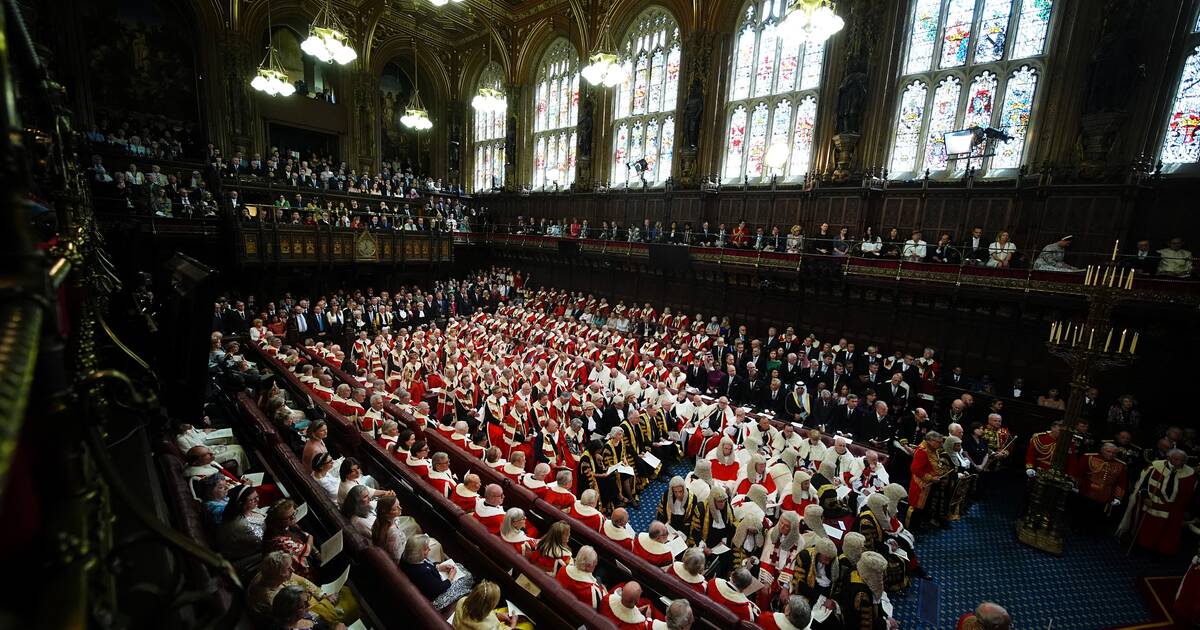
489 136
555 114
1180 142
644 108
772 104
968 63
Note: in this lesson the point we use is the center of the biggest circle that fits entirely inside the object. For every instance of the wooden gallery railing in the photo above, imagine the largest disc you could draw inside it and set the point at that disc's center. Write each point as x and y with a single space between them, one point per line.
259 243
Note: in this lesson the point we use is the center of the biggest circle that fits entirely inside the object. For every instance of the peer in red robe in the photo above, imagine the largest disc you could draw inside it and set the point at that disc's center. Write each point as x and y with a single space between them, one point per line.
652 551
1163 496
582 585
464 498
723 592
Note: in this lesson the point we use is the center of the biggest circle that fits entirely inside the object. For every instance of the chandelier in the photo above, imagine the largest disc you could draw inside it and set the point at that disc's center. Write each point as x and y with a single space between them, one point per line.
442 3
489 100
415 117
604 67
327 38
271 77
811 20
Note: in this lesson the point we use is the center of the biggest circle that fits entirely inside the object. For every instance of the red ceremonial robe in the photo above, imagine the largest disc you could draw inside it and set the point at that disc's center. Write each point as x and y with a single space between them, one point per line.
582 585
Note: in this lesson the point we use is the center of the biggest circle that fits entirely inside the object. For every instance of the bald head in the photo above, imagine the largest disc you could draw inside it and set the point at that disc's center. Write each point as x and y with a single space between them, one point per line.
993 616
630 594
493 494
620 517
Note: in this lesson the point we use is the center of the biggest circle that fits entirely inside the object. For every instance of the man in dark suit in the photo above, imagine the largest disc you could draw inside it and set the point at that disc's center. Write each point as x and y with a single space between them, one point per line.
1016 390
613 416
823 409
955 378
218 318
719 350
697 376
838 378
320 325
237 319
734 387
1143 261
758 357
297 326
756 386
847 356
791 344
869 358
896 392
908 371
790 371
872 422
773 341
774 398
811 376
845 418
975 248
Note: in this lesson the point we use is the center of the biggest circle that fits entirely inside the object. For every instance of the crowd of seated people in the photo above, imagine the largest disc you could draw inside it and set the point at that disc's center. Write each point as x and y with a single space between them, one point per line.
174 192
144 135
998 252
321 172
436 215
541 386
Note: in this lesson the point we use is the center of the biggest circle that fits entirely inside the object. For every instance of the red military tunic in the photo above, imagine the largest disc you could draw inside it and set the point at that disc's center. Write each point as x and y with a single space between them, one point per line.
1102 480
1040 453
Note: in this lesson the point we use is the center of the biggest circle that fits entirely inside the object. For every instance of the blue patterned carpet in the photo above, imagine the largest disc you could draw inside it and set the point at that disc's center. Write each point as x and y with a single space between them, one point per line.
1090 587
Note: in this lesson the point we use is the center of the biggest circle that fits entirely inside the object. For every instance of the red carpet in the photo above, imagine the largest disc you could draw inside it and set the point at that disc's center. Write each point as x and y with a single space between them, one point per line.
1159 593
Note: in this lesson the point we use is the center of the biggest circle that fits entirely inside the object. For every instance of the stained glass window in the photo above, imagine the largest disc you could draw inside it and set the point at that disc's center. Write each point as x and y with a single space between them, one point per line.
1014 117
554 161
925 17
735 145
956 36
908 128
993 27
651 48
941 120
772 98
1034 22
999 45
1181 146
667 150
980 99
488 169
802 138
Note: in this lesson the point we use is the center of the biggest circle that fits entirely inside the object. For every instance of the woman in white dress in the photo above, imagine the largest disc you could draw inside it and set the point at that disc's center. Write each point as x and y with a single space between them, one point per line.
1000 253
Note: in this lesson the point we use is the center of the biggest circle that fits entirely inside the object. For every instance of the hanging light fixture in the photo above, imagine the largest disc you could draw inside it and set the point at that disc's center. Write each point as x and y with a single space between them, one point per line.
327 38
442 3
604 67
271 78
415 117
813 21
489 99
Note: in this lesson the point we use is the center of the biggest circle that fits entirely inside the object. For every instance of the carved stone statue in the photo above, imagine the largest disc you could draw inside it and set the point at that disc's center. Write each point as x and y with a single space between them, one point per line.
693 111
852 99
510 142
584 129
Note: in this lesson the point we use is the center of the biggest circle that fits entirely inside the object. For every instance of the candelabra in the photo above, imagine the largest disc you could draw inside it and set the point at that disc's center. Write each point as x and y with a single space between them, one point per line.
1088 348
